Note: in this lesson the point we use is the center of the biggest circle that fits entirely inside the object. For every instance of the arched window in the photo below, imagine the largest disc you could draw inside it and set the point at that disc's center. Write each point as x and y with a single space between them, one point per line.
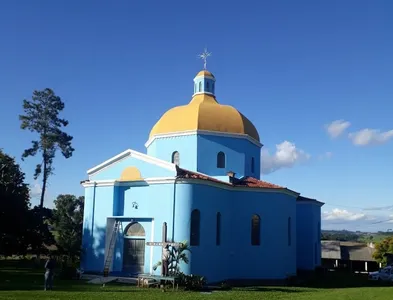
289 232
135 229
218 229
252 165
195 227
207 85
200 86
176 158
221 160
255 230
213 87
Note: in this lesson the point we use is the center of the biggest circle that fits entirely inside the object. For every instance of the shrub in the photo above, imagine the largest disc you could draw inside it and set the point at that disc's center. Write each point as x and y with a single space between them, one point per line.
191 282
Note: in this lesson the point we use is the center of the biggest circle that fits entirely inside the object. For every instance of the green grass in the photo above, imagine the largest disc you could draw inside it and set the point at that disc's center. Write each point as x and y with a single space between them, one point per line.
22 282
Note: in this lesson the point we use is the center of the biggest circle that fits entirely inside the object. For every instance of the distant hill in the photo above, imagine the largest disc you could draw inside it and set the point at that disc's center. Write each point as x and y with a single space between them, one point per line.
354 236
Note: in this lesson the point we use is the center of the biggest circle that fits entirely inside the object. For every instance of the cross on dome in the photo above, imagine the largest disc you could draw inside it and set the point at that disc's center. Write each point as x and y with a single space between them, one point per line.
204 55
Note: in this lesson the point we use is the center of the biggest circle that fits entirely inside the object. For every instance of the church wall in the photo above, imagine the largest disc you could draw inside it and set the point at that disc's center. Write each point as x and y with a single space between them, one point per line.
238 154
186 145
308 235
150 206
235 257
147 170
98 206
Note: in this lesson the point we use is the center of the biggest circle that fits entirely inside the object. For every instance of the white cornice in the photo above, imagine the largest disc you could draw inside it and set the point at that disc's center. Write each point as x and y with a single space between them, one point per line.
205 132
166 180
114 182
133 154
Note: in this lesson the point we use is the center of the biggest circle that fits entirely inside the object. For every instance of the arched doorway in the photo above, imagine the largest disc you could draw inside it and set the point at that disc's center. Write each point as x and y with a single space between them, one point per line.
134 248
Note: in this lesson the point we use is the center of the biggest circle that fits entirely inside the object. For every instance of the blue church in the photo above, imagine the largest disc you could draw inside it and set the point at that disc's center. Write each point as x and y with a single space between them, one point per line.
200 176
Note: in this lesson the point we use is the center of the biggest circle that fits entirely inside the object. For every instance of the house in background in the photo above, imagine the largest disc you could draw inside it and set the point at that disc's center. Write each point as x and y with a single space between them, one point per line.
351 256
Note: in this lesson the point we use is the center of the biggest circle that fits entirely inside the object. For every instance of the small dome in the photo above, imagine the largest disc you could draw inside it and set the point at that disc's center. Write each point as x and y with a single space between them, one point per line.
204 113
205 73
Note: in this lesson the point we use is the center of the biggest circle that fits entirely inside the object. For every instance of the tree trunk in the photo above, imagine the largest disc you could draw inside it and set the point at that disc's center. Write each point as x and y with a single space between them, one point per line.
44 179
43 186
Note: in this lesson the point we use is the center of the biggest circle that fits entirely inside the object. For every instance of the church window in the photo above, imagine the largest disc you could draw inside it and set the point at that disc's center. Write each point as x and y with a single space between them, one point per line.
207 85
252 165
195 227
255 230
213 87
289 232
135 229
221 160
218 229
176 158
200 86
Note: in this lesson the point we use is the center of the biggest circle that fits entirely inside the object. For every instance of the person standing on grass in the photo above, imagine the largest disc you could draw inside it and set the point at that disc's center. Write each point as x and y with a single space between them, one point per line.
165 260
50 267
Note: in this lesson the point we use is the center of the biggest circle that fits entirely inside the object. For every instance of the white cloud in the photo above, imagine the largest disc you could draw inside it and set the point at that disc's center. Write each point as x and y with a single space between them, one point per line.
336 128
35 190
368 136
344 215
286 156
35 195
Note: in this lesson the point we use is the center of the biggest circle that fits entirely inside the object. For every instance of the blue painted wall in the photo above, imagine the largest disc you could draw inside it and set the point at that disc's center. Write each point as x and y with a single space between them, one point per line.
238 154
147 170
308 229
204 84
163 148
156 204
235 257
199 153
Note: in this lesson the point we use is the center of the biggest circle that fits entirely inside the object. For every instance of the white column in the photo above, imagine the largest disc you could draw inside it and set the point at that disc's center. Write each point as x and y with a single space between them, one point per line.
365 266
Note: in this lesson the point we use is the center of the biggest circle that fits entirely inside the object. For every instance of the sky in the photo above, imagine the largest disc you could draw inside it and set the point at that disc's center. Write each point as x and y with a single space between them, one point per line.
315 77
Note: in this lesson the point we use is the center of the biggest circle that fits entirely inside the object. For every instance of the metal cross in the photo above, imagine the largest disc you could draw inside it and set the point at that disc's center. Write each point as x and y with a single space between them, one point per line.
204 57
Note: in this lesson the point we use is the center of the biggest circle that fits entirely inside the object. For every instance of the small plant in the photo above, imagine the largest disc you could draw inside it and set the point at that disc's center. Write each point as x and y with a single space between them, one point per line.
225 286
177 256
191 282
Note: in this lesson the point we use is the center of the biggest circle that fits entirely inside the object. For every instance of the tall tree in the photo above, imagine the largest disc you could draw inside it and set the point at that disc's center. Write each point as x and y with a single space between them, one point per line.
68 223
14 205
42 117
383 249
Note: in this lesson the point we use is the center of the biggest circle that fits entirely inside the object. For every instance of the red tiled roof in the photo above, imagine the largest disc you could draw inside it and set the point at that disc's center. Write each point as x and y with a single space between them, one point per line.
245 182
253 182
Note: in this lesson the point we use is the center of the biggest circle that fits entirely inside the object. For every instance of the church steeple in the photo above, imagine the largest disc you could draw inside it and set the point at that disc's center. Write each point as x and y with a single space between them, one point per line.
204 81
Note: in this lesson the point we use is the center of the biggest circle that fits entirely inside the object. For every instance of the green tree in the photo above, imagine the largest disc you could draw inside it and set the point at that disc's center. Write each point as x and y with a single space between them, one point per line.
67 221
42 117
382 249
14 196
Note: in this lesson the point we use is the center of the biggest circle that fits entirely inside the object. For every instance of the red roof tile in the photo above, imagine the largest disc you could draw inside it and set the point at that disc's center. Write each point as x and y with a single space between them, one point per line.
245 182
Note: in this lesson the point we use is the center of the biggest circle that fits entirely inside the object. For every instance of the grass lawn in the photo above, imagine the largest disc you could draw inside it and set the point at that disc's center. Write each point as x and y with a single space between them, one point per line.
26 283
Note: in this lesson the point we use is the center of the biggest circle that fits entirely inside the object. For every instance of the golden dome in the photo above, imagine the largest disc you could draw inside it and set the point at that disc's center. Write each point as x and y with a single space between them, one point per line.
204 113
205 73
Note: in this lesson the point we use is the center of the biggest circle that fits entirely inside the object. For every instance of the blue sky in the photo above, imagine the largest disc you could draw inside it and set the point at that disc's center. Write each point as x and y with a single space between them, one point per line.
292 67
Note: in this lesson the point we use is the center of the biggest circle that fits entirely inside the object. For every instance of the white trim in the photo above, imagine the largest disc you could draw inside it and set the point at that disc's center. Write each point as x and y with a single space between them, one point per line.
134 154
166 180
115 182
201 93
205 132
152 248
